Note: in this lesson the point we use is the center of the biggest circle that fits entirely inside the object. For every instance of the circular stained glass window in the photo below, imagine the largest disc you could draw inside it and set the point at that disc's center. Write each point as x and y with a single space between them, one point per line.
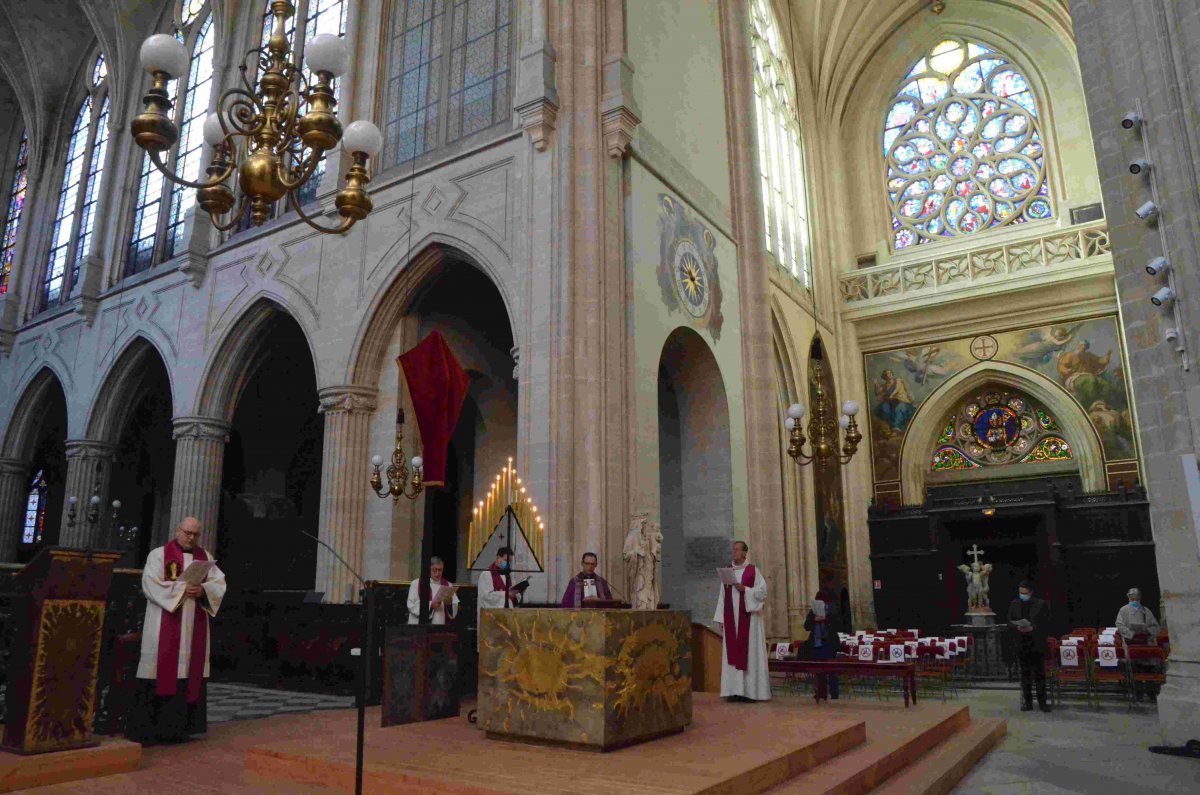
963 147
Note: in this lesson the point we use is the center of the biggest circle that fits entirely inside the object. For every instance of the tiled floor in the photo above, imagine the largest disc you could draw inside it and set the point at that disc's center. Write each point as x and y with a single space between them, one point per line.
1075 749
242 702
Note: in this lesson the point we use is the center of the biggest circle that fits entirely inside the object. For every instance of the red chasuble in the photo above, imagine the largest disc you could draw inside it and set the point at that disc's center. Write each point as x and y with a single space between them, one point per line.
437 386
737 642
170 629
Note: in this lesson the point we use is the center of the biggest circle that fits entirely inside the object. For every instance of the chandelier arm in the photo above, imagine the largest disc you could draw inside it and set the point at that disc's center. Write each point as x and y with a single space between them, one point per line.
235 104
233 221
346 223
156 159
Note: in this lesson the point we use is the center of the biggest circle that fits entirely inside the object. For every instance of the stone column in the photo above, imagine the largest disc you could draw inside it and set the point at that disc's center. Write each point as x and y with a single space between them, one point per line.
14 488
89 468
345 480
196 489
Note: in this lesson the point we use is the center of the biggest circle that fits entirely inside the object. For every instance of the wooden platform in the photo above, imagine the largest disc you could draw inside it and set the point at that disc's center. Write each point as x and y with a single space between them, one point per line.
787 745
21 772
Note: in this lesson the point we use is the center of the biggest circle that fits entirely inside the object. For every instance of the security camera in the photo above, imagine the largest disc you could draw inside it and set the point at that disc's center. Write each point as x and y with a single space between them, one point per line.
1158 265
1131 119
1163 296
1147 211
1139 166
1171 335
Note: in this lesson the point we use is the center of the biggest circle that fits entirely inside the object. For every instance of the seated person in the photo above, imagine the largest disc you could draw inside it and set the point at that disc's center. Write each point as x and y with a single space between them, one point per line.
587 584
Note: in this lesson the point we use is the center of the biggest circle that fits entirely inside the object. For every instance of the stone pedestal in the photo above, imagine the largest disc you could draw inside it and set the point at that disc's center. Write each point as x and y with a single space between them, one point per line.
981 618
597 679
987 649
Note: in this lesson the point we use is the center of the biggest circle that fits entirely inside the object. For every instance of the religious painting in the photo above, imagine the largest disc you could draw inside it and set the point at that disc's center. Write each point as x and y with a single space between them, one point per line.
687 271
827 481
1084 357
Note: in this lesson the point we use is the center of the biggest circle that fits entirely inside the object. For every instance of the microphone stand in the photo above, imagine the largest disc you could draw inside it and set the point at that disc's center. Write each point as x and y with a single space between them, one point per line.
364 683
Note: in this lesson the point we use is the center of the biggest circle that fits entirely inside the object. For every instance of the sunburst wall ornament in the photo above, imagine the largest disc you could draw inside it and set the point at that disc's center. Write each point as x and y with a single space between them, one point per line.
687 270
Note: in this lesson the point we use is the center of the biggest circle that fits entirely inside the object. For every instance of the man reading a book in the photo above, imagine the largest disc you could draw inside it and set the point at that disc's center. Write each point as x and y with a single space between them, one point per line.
587 584
183 589
743 593
437 591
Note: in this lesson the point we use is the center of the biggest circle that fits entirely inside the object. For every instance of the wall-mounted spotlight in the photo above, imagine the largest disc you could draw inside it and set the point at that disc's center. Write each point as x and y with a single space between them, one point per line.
1171 335
1131 120
1158 265
1139 166
1148 211
1162 296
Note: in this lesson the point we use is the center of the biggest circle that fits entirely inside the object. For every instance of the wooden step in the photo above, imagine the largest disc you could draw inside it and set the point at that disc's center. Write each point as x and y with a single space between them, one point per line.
937 773
894 740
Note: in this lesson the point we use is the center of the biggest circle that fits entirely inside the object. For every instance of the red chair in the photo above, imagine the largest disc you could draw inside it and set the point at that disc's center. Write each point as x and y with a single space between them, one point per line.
1114 678
1147 669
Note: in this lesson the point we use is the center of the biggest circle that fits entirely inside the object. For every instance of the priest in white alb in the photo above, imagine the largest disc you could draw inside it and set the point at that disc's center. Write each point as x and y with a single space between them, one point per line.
437 591
744 674
169 704
495 587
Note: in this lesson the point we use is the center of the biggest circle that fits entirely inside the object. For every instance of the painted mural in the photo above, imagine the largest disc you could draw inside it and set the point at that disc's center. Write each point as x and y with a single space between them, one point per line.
1084 357
687 270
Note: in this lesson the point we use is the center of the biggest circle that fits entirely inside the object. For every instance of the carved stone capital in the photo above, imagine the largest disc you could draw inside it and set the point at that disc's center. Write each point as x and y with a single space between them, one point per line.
537 120
200 428
88 288
90 448
195 266
618 124
347 398
13 468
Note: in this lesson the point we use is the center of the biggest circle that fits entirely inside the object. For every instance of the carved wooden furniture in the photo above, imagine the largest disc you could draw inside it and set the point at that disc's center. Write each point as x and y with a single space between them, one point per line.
420 674
52 670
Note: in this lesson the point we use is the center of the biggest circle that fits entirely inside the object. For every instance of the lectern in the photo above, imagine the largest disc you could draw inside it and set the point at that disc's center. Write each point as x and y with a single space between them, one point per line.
59 626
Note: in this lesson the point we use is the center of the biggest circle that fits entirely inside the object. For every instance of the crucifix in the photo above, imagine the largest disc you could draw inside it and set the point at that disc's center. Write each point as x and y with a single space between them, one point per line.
975 552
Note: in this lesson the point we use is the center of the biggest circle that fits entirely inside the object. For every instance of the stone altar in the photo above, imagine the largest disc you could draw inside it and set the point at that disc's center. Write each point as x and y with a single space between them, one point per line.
594 679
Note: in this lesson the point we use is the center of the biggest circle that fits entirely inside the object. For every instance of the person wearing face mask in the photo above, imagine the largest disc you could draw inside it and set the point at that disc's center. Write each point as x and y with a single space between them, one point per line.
1029 617
495 584
1135 623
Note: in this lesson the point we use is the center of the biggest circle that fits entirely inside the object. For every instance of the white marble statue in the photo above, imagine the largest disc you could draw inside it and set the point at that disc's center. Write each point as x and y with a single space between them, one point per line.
977 582
642 554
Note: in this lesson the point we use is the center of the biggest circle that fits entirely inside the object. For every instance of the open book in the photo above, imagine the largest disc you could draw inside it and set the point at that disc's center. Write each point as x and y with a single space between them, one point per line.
195 573
522 585
1022 623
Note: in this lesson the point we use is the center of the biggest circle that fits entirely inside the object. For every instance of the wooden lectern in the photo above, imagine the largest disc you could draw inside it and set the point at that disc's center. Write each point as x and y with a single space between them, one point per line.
59 618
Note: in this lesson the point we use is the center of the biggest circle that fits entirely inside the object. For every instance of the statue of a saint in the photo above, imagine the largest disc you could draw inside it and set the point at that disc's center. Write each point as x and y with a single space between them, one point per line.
977 582
642 553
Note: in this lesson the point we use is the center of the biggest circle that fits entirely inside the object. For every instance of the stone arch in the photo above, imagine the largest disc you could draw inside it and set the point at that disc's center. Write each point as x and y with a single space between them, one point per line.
921 436
21 434
238 356
695 468
112 400
406 280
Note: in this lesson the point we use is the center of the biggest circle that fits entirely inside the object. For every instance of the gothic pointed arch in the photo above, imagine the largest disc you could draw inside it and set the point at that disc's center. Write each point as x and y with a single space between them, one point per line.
926 426
40 390
121 385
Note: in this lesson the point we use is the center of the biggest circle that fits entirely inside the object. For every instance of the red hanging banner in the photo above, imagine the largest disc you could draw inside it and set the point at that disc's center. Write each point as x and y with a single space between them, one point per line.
437 386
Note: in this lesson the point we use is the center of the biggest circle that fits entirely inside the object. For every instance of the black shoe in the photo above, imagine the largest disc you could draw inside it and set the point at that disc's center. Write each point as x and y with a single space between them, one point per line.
1026 707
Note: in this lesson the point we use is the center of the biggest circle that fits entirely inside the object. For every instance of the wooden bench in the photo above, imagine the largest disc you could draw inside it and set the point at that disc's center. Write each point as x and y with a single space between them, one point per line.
905 672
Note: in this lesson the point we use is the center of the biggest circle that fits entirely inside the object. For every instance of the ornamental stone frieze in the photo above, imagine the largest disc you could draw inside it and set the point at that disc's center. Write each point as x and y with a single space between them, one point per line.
347 398
90 448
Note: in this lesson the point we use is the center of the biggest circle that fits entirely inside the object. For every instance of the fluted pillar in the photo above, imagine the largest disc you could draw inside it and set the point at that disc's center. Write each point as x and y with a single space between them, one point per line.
345 476
89 469
196 490
14 489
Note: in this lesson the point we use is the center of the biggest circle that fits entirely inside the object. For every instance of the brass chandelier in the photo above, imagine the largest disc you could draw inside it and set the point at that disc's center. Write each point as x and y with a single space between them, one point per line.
281 147
823 429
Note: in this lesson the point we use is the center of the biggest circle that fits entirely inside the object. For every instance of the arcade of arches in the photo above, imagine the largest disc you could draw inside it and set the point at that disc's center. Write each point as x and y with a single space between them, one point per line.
654 227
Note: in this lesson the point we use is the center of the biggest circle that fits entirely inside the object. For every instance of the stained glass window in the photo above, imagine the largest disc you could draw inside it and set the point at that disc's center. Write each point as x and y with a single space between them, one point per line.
994 428
16 204
35 511
62 233
963 147
448 73
159 217
781 159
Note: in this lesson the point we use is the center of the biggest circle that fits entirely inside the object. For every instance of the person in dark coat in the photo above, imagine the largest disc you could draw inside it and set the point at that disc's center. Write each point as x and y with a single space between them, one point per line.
822 644
1029 617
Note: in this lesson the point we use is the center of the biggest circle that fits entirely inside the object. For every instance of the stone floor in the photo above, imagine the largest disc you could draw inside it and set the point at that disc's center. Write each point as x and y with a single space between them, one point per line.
1075 749
242 702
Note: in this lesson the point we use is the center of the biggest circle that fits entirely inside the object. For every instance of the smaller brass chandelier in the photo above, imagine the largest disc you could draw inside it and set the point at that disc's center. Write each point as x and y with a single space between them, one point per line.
398 481
823 429
282 147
